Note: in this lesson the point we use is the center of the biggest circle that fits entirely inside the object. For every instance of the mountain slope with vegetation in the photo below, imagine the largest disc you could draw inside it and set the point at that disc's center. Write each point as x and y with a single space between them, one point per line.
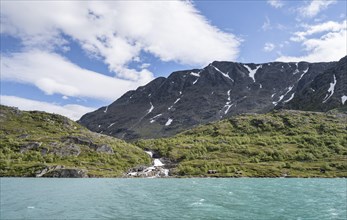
42 144
280 143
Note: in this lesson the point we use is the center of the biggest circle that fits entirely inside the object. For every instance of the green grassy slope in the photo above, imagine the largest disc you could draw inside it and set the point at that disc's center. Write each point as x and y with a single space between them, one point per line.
31 141
281 143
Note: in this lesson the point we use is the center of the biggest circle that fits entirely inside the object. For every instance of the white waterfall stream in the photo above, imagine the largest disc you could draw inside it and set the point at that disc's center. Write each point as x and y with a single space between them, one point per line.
156 170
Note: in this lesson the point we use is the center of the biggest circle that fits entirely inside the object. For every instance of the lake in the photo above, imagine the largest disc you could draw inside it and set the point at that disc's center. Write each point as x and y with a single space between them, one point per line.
244 198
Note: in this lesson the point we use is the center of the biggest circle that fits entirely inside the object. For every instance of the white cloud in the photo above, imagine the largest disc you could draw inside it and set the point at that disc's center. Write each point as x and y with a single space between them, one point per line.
54 74
276 3
331 26
145 65
267 24
314 7
321 42
117 31
72 111
268 47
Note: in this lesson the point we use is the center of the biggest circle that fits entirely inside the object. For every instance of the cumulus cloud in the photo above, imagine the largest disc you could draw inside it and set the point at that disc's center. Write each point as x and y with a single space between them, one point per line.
329 26
321 42
314 7
276 3
54 74
268 47
118 31
72 111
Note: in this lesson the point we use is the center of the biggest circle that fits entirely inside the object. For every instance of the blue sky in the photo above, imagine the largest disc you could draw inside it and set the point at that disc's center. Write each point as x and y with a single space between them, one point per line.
73 57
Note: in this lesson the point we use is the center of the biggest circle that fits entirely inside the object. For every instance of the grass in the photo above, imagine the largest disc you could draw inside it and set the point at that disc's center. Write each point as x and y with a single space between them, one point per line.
49 131
280 143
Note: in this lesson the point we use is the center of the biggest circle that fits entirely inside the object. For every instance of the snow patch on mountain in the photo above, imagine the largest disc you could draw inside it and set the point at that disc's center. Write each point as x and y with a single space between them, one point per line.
111 125
330 90
177 100
296 71
224 74
169 121
343 99
303 73
195 74
282 96
228 104
290 98
151 108
152 120
252 72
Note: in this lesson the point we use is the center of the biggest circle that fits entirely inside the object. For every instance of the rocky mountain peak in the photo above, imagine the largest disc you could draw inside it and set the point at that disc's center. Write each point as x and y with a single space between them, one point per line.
187 98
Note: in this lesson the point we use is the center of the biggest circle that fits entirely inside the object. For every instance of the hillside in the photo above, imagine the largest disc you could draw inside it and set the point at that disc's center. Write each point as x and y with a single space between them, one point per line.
41 144
167 106
280 143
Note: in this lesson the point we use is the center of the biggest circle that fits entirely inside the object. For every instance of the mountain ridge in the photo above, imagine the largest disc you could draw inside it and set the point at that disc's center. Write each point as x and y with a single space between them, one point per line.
166 106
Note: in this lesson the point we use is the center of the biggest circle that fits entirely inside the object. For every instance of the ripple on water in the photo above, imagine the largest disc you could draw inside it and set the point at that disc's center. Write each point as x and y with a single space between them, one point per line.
173 198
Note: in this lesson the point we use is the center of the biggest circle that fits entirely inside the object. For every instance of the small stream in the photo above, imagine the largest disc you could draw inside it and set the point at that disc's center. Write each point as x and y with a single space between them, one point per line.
157 169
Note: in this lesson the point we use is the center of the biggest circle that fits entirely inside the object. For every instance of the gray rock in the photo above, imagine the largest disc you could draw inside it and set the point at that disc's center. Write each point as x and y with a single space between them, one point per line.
69 150
105 149
30 146
66 173
44 151
23 136
47 169
139 168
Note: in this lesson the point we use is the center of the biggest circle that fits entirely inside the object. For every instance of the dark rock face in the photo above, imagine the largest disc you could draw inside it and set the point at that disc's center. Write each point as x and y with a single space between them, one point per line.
323 92
61 172
185 99
66 173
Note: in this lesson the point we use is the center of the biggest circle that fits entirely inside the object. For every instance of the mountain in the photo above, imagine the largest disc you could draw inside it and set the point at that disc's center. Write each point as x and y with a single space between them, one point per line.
188 98
49 145
287 143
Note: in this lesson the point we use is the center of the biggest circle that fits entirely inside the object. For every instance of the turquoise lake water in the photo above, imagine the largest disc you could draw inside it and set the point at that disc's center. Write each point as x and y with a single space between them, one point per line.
244 198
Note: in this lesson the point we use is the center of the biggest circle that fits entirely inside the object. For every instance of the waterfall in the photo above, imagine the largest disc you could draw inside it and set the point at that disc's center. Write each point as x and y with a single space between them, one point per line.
156 170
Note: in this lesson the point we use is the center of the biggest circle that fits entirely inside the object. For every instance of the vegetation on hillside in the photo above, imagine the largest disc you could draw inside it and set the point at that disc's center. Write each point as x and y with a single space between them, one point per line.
32 141
280 143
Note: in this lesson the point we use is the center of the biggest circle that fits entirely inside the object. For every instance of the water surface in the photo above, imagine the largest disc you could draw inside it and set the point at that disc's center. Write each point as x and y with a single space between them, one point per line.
245 198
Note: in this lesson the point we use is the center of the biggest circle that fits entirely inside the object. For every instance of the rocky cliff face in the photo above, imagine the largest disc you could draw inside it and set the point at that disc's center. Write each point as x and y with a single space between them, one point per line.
167 106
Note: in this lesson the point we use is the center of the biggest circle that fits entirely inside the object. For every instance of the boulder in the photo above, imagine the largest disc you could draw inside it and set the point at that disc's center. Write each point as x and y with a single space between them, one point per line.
105 149
69 150
47 169
29 146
